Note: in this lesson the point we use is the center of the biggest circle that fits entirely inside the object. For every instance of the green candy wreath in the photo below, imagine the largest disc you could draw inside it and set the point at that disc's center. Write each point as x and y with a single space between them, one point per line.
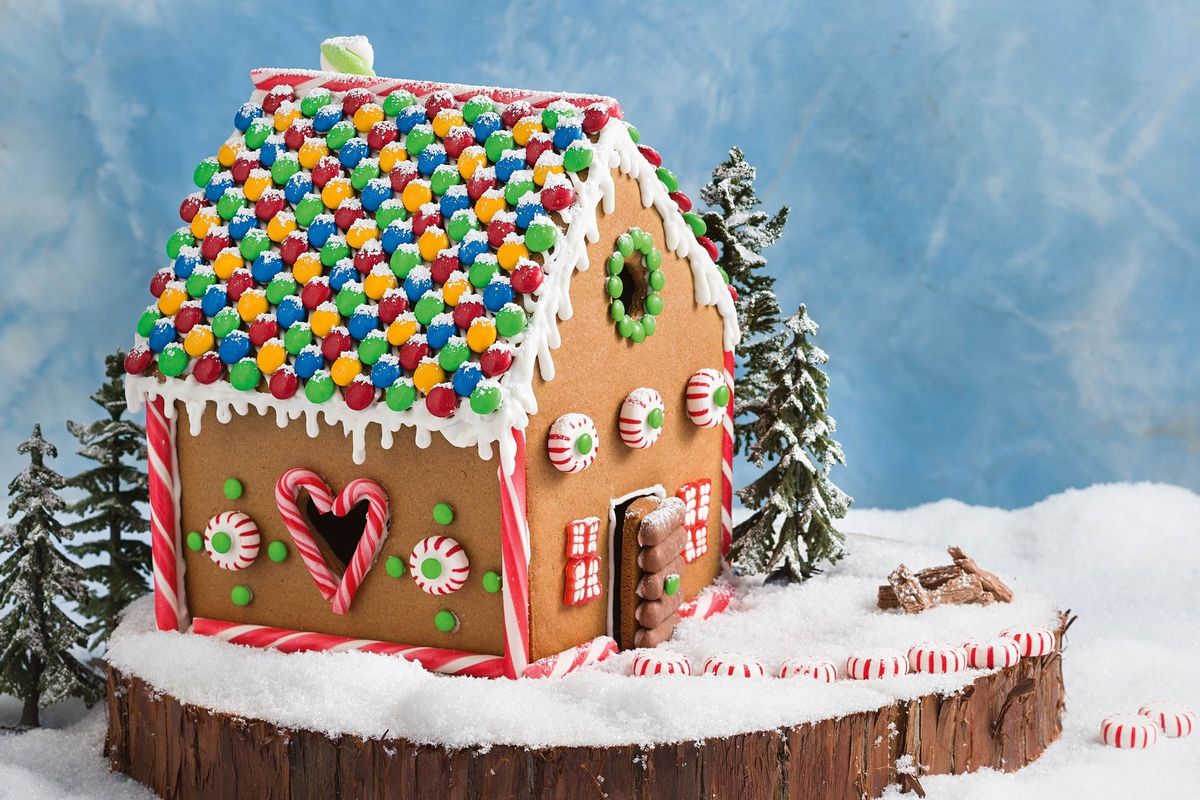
627 288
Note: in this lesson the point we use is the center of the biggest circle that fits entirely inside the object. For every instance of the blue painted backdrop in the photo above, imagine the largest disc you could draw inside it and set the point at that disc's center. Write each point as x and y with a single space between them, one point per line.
995 213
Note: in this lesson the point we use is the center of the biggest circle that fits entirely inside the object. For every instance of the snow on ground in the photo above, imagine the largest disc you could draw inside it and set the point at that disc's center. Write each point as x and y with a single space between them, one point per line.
1123 557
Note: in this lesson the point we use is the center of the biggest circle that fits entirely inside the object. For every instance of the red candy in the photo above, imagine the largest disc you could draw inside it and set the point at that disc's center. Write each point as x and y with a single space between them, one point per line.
297 132
369 257
515 112
188 316
733 292
270 204
283 382
191 205
293 246
160 281
242 166
326 170
382 134
138 360
315 292
538 143
214 242
207 368
458 139
238 283
527 276
337 342
354 100
444 264
480 182
441 400
412 352
262 329
392 305
425 219
495 361
682 200
595 117
276 97
466 312
404 172
437 101
557 197
359 394
497 229
650 154
708 245
348 213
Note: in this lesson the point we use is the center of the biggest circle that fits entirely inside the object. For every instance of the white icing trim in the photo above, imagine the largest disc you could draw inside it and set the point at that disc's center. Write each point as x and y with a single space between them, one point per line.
613 149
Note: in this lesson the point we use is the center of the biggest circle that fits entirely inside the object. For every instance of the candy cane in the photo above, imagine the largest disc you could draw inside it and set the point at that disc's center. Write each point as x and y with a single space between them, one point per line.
374 532
170 610
727 462
286 491
709 603
571 660
514 553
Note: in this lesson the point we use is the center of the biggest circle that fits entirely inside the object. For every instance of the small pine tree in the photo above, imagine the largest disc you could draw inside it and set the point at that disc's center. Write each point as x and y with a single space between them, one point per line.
793 504
112 491
36 635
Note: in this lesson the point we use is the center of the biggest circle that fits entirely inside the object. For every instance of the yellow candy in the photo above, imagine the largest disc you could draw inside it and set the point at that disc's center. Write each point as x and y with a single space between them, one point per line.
431 241
336 191
543 170
205 218
307 267
453 289
402 329
427 375
367 115
257 182
226 262
470 160
481 335
251 304
285 115
488 204
312 151
378 283
323 319
271 356
345 369
228 153
510 253
361 232
199 340
446 119
280 226
416 194
171 299
524 129
392 154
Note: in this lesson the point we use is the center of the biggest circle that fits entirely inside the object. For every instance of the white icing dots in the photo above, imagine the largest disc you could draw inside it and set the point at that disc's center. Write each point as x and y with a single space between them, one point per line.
641 419
231 540
439 565
573 443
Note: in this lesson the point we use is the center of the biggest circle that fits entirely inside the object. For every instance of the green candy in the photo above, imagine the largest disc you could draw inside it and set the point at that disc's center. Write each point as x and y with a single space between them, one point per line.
431 568
639 332
654 304
428 307
583 445
257 133
320 387
625 245
334 251
615 286
453 355
671 586
720 396
625 326
443 514
491 582
297 337
308 208
633 133
404 259
513 192
695 222
616 310
232 488
205 170
724 274
642 241
668 179
655 418
277 551
396 102
550 116
172 361
394 566
486 398
221 542
401 395
241 596
510 320
443 178
339 134
315 101
482 271
284 167
230 203
349 298
366 171
146 321
649 324
180 239
345 60
225 322
390 211
195 541
654 258
616 264
495 145
254 243
541 236
577 157
445 621
479 104
198 282
245 375
462 223
372 348
420 137
657 279
281 286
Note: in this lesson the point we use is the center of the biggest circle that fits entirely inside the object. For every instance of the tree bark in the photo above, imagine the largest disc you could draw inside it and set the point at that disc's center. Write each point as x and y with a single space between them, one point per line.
31 705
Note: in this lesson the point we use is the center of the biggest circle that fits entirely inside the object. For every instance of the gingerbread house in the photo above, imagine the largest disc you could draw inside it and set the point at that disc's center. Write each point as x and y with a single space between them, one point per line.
436 370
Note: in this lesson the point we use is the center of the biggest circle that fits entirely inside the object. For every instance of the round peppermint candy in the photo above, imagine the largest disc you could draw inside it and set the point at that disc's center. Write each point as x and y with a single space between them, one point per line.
641 419
439 565
1129 731
573 443
1032 641
819 671
707 398
734 665
231 540
660 662
1173 721
993 654
876 665
937 659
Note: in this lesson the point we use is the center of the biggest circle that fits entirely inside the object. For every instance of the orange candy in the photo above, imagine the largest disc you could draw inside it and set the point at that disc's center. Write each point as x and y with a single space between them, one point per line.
361 232
427 375
543 170
226 262
367 115
481 335
171 299
258 182
345 369
431 242
199 340
510 253
280 226
488 204
307 267
524 129
312 151
271 356
379 282
205 218
392 154
323 319
285 115
416 194
455 287
251 304
227 154
471 159
336 191
402 329
446 119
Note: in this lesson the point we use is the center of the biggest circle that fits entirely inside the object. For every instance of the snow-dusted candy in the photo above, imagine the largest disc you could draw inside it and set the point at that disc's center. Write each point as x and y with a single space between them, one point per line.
1032 641
734 665
819 671
641 418
541 234
869 666
937 659
1129 731
573 443
439 565
993 654
707 396
231 540
648 663
1174 721
352 55
138 360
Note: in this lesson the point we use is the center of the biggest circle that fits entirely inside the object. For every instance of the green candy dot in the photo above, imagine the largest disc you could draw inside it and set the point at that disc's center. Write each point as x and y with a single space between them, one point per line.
195 541
245 375
633 133
372 348
642 241
462 223
315 101
404 259
221 542
298 337
281 286
649 324
510 320
172 361
654 258
654 304
396 102
431 569
254 243
491 582
339 134
146 322
616 264
308 208
420 137
696 223
583 444
198 282
401 395
445 621
349 299
320 387
394 566
225 322
474 107
614 286
230 203
485 399
391 211
232 488
442 179
481 272
720 396
443 514
453 356
284 167
514 191
277 551
625 245
366 171
241 595
671 586
257 133
179 239
655 418
616 310
577 158
639 332
334 251
495 145
428 307
205 170
549 118
625 326
668 179
657 279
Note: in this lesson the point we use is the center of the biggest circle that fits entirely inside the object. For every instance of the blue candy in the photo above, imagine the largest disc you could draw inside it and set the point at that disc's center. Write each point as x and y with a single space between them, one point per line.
394 235
410 117
364 320
297 186
217 185
375 193
497 294
353 152
326 117
308 361
342 273
565 132
431 158
440 330
485 125
466 378
234 347
266 266
290 311
162 334
527 210
455 199
272 149
246 114
509 162
243 221
471 248
187 262
215 298
321 229
385 372
417 284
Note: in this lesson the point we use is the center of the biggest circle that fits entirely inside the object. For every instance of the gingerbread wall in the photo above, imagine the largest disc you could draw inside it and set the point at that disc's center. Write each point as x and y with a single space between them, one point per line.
255 451
595 369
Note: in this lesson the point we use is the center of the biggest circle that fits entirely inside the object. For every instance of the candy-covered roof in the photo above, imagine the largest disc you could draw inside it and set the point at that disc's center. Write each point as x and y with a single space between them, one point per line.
398 252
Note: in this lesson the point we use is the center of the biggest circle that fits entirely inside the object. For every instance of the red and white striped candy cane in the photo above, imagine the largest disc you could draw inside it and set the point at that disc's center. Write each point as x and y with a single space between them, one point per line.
994 654
374 532
660 662
571 660
727 462
876 665
287 490
514 559
170 610
1032 641
708 603
734 665
1175 722
819 671
1129 732
937 659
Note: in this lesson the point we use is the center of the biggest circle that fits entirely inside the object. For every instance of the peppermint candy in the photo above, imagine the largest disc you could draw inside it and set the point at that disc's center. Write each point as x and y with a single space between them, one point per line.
439 565
819 671
734 665
1032 641
706 402
573 443
231 540
937 659
876 665
1173 721
1129 731
660 662
993 654
641 419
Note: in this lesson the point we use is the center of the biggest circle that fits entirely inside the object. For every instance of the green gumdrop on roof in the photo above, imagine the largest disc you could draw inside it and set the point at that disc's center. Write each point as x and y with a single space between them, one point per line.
372 348
339 134
404 259
510 320
696 223
172 361
298 337
474 107
577 158
541 236
427 308
334 251
315 101
453 356
146 322
485 399
481 272
205 170
319 387
229 204
308 208
281 286
391 210
345 60
401 395
495 145
225 322
180 239
668 179
367 170
198 282
418 139
245 375
442 179
396 102
284 167
253 244
633 133
348 299
257 133
462 223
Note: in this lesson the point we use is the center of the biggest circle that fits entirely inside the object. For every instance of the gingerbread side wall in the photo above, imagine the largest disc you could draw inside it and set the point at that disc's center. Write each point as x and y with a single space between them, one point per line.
595 368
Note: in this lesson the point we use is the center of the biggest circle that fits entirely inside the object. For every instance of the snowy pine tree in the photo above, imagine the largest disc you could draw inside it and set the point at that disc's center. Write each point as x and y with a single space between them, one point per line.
793 504
36 635
112 491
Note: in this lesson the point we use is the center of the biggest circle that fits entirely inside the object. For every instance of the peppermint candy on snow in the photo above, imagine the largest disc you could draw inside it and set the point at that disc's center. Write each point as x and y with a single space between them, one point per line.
660 662
1032 641
993 654
876 665
937 659
819 671
1175 722
734 665
1129 731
